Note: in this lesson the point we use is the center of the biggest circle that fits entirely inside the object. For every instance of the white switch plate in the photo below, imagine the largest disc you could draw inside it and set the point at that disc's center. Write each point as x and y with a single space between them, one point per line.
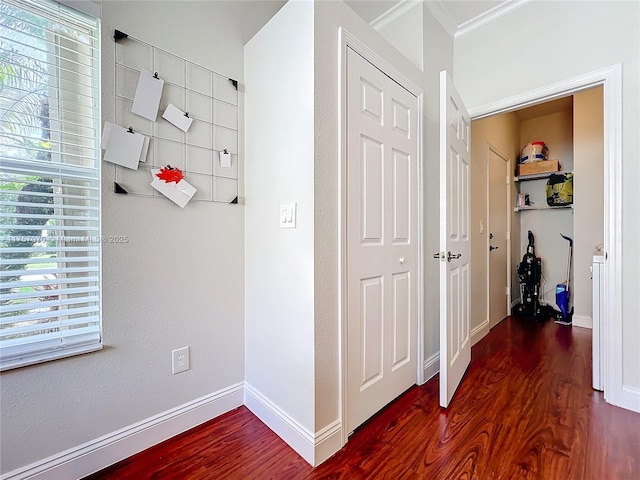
288 215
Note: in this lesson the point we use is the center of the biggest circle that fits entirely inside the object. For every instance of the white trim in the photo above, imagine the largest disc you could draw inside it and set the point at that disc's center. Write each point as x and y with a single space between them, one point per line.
347 40
631 398
394 13
489 16
611 80
295 435
490 147
92 456
328 441
554 91
582 321
431 366
420 257
313 448
479 332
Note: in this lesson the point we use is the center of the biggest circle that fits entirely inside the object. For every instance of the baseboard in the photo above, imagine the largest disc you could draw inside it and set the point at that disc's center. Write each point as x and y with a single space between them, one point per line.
97 454
431 366
631 398
294 434
328 441
582 321
479 332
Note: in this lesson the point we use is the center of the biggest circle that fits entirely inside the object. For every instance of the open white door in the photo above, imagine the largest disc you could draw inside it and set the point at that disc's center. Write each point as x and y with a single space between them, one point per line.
455 248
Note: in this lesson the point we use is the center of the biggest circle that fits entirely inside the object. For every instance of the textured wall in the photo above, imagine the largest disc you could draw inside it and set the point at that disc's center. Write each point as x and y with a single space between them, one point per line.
502 132
438 55
178 282
588 191
280 262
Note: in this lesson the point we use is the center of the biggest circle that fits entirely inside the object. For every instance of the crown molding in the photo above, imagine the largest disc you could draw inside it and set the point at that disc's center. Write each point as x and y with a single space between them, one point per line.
439 11
442 16
488 16
395 12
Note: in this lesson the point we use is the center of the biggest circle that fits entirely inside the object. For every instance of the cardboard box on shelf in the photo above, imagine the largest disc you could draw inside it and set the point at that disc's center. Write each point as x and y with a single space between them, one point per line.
538 167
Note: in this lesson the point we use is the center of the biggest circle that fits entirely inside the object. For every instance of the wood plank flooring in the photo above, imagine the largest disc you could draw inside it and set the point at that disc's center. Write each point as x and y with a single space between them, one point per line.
525 410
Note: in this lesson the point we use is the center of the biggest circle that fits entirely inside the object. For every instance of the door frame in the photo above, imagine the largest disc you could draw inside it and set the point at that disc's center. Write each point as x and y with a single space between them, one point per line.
490 147
610 78
347 40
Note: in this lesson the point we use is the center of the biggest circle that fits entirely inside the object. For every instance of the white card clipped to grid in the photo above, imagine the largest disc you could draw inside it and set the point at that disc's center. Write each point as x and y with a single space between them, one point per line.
147 98
177 117
123 147
178 192
225 159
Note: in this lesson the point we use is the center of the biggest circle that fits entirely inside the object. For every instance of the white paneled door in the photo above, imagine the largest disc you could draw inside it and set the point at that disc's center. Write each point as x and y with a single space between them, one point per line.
498 225
382 192
455 245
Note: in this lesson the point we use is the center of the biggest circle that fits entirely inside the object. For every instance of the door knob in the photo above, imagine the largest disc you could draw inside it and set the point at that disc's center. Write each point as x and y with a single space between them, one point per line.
492 248
451 256
438 255
402 260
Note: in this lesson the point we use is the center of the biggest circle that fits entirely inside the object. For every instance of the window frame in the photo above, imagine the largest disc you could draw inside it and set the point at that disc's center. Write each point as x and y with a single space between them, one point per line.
70 341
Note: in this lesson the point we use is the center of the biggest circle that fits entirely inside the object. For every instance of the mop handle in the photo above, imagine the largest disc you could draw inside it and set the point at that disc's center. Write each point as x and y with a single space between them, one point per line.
569 259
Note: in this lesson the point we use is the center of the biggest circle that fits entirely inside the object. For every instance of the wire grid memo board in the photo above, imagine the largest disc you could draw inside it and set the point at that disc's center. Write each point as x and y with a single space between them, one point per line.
211 100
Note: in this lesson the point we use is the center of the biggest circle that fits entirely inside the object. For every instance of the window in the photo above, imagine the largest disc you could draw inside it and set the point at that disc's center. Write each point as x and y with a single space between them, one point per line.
49 182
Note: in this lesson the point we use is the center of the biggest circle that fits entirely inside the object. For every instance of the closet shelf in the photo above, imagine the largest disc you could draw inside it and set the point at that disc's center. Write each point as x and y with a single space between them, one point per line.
545 207
537 176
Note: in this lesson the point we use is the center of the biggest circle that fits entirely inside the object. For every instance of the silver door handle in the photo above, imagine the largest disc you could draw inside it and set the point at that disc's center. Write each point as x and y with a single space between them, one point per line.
402 260
451 256
438 255
492 248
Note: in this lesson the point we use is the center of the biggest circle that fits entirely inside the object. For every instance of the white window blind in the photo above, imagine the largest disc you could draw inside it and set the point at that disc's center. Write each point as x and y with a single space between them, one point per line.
49 182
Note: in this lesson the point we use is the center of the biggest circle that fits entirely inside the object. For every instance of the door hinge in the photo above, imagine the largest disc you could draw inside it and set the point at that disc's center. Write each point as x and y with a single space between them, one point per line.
507 235
507 290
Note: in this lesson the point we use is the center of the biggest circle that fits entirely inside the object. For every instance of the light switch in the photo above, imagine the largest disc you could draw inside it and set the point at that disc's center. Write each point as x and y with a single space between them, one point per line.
288 215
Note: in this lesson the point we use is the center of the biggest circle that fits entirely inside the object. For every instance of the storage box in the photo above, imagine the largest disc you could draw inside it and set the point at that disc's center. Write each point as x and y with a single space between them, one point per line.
538 167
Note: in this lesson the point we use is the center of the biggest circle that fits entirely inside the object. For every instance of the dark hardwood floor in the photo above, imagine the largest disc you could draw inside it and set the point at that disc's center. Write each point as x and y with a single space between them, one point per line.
525 410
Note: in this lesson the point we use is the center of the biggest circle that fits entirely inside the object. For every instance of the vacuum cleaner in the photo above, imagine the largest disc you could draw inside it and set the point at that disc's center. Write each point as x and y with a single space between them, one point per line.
563 291
529 274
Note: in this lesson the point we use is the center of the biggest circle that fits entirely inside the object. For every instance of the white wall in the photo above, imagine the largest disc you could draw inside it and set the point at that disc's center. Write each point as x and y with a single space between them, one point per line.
178 282
405 33
422 39
279 273
588 192
542 43
503 132
438 55
556 130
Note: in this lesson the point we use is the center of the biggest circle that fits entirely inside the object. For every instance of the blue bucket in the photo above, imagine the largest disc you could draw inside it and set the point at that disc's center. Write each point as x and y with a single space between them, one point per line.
562 299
